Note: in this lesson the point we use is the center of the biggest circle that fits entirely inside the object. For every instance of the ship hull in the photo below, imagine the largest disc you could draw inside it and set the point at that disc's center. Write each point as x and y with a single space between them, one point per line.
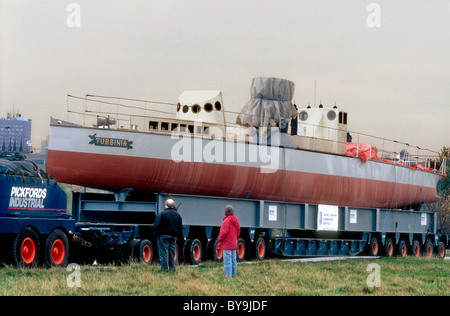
116 160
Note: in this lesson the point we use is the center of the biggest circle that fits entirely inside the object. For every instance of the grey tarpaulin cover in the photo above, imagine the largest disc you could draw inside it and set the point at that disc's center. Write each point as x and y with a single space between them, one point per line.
15 164
270 103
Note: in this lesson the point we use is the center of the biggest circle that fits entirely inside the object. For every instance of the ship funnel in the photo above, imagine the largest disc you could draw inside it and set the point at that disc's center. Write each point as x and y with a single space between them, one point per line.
270 104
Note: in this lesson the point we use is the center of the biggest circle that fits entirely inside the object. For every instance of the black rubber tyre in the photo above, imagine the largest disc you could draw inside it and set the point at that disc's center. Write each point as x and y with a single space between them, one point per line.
259 249
440 251
374 247
208 250
402 249
25 249
415 248
131 248
57 249
144 251
428 249
193 251
389 247
217 253
241 251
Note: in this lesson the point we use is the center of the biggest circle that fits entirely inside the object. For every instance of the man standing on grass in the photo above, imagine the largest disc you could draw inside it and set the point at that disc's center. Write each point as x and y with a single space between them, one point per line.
168 225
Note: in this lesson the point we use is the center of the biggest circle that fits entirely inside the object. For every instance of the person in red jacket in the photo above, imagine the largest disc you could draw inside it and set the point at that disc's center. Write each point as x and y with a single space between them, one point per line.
228 236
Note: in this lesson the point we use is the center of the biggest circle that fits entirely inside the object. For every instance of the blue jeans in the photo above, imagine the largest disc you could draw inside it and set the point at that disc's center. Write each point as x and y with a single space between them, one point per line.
166 246
229 263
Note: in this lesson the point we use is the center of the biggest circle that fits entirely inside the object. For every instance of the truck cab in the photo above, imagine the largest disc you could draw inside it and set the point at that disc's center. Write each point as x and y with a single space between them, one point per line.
35 226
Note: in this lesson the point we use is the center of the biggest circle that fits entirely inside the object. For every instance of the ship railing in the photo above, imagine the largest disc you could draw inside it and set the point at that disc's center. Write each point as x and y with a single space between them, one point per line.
154 116
399 152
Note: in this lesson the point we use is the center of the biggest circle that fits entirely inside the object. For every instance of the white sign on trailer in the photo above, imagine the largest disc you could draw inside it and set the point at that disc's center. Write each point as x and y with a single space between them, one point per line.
272 212
328 217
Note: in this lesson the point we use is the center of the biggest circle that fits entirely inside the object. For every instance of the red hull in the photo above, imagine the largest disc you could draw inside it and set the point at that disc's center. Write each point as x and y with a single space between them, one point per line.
161 175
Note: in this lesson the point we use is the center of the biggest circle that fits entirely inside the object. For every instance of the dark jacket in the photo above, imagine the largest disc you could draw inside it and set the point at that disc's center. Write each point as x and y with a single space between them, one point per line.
229 233
168 222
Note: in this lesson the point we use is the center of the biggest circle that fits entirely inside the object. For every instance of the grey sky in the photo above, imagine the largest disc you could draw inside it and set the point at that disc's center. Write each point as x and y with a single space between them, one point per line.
394 81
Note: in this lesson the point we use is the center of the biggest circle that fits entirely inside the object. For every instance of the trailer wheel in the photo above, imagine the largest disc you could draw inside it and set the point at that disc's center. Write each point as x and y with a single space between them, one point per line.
428 249
131 248
25 249
145 248
240 254
415 248
374 247
209 250
193 251
259 249
57 249
389 248
217 253
176 258
402 249
441 250
141 250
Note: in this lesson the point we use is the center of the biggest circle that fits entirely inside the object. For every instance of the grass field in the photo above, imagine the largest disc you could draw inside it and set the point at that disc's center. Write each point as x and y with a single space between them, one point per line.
398 276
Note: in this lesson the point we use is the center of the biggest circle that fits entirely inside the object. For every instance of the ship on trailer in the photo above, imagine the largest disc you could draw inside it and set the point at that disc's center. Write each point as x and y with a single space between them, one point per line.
300 184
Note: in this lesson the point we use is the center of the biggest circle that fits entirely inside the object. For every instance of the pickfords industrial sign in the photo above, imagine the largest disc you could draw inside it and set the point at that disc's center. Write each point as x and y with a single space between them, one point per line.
23 197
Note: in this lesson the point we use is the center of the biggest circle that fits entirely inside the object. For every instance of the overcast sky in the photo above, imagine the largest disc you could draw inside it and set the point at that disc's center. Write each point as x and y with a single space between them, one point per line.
393 80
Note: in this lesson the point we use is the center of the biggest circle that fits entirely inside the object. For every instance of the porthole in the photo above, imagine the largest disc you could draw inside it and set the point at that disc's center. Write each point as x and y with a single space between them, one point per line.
303 116
218 106
178 107
185 109
331 115
196 108
208 107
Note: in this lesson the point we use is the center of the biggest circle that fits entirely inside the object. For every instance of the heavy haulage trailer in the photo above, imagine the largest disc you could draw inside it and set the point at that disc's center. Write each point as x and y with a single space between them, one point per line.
37 227
284 229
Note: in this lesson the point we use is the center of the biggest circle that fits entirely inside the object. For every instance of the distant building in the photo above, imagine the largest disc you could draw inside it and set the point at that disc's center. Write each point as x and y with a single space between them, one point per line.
15 134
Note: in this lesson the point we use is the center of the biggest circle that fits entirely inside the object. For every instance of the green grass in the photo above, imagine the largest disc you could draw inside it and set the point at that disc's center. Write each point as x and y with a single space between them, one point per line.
399 276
